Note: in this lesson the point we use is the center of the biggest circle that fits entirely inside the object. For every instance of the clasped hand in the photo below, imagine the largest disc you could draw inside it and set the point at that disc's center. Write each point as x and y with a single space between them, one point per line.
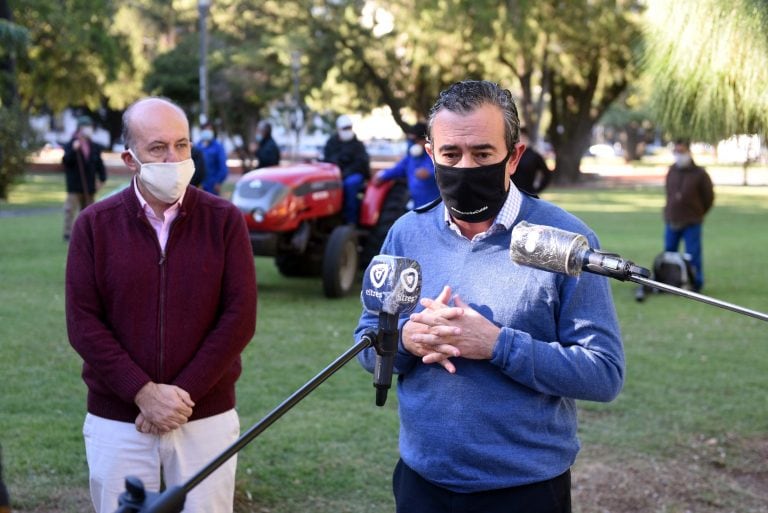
163 408
440 332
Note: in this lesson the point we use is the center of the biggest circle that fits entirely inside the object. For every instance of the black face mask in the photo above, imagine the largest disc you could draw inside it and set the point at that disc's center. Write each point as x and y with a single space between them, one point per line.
473 194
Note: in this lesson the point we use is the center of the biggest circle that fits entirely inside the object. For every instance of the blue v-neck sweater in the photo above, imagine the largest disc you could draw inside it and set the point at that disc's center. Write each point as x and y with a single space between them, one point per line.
511 420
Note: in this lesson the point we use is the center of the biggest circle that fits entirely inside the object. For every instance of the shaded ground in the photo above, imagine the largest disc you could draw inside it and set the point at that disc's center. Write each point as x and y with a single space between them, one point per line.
707 476
725 475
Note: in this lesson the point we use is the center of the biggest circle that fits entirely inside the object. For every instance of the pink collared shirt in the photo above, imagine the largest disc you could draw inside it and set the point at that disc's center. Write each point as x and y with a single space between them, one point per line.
162 226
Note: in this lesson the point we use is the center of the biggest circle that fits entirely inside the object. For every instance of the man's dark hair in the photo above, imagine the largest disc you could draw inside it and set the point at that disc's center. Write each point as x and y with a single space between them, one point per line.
683 142
418 130
468 95
266 126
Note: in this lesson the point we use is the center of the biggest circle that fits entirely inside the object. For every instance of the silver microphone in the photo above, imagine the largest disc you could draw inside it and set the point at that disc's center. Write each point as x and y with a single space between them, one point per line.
560 251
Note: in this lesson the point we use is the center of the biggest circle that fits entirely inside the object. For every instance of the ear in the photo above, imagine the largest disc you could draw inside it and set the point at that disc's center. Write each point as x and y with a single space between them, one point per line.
129 161
428 149
514 159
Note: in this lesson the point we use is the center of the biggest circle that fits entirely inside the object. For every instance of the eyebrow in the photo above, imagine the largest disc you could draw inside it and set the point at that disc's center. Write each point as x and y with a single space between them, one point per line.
182 140
474 147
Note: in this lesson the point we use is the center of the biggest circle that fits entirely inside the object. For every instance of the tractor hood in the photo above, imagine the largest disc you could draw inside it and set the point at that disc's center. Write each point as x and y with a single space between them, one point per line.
279 198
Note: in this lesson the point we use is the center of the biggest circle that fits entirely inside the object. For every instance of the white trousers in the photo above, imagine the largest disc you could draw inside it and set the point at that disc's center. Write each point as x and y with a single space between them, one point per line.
115 450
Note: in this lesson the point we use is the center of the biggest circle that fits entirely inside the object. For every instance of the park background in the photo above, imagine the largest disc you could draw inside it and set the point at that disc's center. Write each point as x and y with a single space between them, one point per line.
690 430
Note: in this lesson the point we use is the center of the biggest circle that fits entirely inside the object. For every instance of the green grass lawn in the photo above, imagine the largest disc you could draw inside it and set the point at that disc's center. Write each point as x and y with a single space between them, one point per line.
696 375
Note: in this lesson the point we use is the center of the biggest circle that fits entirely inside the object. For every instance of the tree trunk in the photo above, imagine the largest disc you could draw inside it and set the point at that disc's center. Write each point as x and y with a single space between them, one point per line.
568 154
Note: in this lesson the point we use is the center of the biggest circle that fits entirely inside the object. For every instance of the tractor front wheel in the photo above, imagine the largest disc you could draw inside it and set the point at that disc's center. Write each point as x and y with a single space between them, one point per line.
340 262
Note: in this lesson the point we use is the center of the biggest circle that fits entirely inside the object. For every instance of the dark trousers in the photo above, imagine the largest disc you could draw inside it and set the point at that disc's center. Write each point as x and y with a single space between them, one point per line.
414 494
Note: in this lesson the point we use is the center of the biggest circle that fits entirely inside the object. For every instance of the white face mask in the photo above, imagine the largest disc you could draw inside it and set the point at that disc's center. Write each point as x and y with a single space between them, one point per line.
416 150
166 181
682 159
346 134
86 131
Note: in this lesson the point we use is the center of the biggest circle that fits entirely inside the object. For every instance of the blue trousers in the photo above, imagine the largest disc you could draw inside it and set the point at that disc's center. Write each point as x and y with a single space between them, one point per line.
691 235
350 203
414 494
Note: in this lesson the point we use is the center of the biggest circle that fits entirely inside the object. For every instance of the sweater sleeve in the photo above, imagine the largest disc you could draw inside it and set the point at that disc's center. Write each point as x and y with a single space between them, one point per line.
397 171
236 321
89 333
586 361
221 158
707 192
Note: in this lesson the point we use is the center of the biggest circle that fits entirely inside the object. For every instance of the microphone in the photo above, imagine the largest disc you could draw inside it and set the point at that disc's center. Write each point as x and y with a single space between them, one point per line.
555 250
391 286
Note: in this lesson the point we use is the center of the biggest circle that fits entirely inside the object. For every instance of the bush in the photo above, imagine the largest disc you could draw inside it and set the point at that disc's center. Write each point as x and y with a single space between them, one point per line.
17 141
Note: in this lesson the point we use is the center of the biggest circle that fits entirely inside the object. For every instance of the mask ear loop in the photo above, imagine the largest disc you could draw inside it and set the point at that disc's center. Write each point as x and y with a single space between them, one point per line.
135 157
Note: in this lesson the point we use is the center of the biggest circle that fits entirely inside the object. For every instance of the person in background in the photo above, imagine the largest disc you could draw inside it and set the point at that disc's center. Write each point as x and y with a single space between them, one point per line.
690 195
215 160
160 302
416 167
532 174
497 354
199 159
346 151
84 171
267 152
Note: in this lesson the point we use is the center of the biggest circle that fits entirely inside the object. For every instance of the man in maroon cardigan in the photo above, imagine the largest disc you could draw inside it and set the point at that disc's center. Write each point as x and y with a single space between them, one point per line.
160 302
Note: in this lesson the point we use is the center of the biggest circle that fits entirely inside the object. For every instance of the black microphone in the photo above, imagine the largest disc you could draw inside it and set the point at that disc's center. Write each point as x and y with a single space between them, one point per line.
555 250
391 286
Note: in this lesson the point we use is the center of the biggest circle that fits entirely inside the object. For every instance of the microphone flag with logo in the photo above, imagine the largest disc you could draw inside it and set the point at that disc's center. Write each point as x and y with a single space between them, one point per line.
391 287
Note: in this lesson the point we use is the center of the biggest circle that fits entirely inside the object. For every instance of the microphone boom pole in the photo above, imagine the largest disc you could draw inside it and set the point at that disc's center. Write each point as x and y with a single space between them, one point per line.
559 251
137 500
642 280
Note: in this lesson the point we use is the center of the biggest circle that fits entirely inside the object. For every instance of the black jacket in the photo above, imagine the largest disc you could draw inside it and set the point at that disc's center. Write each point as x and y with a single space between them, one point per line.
78 169
532 174
268 153
351 156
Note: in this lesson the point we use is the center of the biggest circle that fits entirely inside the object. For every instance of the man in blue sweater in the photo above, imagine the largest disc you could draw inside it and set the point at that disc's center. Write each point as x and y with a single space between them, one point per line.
492 363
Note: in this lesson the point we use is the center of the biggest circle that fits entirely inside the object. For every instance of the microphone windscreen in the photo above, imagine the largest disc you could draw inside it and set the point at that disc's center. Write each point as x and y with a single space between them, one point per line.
391 285
548 248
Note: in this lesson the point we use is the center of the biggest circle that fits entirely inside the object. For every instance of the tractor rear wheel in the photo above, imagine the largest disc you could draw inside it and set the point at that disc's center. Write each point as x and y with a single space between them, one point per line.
340 262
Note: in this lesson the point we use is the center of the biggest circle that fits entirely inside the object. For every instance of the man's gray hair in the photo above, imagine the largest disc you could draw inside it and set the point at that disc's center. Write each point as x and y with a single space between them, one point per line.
126 134
466 96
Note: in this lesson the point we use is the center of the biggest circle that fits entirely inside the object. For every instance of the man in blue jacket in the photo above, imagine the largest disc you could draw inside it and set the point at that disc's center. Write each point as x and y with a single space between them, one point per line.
416 167
492 363
215 157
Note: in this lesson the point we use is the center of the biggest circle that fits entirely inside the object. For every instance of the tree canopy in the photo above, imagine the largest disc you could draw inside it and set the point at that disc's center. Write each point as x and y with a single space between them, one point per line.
709 60
566 62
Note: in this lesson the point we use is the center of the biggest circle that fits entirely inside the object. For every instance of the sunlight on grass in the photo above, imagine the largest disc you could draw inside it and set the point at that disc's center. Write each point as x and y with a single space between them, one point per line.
47 190
38 190
609 201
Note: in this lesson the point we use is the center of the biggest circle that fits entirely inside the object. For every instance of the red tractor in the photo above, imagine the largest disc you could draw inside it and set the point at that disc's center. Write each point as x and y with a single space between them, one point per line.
293 214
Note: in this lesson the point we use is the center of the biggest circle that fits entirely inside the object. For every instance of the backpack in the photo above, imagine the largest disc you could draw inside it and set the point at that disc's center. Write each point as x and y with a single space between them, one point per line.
674 269
671 268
